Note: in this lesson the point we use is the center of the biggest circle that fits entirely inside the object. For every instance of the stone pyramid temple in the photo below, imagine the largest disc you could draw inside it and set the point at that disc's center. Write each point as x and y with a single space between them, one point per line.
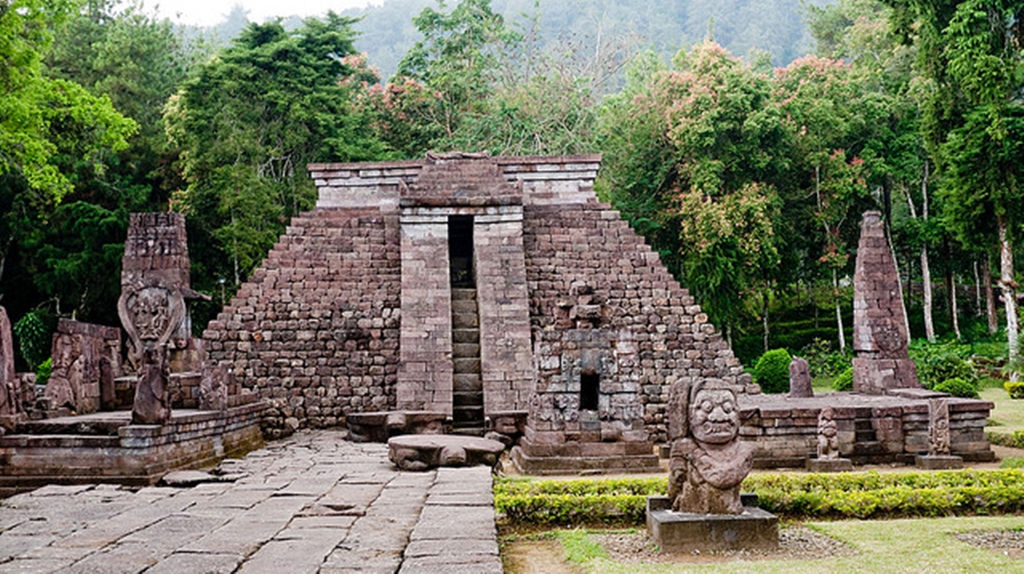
496 292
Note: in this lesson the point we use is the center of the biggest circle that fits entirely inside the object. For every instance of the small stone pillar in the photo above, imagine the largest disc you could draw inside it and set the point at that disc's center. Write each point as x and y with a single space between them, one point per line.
10 403
800 379
880 334
152 404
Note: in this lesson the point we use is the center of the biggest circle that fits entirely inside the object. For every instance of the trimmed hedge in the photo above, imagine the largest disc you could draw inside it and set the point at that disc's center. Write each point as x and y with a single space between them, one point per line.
846 495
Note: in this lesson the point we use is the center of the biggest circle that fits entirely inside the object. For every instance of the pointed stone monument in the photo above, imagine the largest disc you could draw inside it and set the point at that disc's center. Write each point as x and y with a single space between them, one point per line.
880 335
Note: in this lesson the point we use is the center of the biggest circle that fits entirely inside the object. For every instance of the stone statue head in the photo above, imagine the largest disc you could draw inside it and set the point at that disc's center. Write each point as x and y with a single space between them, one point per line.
714 415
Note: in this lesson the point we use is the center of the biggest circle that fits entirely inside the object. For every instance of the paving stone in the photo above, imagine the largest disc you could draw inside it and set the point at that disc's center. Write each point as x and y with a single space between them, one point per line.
362 521
35 566
293 551
12 545
197 563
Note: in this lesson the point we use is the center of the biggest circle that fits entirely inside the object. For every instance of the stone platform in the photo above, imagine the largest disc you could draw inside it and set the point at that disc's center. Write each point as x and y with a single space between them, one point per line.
106 447
313 502
754 529
873 429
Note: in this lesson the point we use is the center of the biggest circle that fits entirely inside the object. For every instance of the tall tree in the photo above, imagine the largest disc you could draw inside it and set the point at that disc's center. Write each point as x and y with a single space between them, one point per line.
971 54
709 126
463 56
52 131
830 113
248 124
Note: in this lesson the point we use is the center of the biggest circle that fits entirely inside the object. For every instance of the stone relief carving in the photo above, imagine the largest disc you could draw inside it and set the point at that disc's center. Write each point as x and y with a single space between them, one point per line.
151 314
708 465
938 427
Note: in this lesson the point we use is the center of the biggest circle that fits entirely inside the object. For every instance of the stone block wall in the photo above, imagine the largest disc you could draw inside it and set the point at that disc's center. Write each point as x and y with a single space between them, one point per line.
587 268
425 366
315 329
505 354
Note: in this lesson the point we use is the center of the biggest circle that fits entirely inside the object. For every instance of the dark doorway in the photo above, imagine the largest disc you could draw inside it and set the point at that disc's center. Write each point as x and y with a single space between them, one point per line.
460 251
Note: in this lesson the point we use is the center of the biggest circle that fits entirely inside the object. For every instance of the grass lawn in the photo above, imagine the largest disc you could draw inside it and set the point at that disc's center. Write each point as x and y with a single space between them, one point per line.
1008 414
911 545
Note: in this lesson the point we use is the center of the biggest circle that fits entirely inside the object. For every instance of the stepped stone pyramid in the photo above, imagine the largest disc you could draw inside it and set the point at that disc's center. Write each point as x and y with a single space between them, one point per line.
480 287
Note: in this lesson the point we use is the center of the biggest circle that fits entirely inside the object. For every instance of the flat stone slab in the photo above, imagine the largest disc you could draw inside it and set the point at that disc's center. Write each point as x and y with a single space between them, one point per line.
829 465
424 452
754 529
938 462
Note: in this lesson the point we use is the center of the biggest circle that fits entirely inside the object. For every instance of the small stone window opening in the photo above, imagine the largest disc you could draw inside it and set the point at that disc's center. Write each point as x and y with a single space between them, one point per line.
590 388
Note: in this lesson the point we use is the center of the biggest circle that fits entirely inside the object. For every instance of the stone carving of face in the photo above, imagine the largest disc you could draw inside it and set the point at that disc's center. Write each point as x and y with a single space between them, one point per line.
152 313
714 417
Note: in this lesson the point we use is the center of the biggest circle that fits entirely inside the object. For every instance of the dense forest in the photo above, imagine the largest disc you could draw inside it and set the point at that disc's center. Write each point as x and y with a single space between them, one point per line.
742 139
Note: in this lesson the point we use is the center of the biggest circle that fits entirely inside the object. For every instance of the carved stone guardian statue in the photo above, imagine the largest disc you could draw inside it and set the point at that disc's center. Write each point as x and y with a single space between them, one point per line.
708 466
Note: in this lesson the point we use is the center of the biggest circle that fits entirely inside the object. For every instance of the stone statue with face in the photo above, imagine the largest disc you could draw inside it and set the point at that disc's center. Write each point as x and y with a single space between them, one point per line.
708 466
828 435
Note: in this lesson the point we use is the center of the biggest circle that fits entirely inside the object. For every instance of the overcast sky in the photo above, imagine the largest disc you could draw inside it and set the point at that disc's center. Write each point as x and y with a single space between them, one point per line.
210 12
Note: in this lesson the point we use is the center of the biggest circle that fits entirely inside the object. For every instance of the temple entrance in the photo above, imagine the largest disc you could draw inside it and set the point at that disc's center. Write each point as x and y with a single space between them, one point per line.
468 391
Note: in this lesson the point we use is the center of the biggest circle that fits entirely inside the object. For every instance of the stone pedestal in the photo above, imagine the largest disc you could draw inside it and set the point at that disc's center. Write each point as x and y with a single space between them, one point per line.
829 465
938 462
754 529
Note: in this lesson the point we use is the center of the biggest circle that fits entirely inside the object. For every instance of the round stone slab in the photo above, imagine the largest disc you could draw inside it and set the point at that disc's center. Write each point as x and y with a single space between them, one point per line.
426 451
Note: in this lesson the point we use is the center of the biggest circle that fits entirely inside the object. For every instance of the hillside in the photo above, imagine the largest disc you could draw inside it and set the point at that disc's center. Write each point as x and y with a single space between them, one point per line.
580 26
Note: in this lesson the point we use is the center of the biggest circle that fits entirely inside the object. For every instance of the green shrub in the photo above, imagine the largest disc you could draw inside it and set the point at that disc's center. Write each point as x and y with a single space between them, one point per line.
823 361
844 380
941 363
44 370
1012 440
33 339
958 388
772 371
1015 388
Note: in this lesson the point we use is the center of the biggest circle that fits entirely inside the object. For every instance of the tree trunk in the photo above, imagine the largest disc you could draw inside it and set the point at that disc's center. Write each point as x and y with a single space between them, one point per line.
764 318
926 272
977 291
1009 295
954 311
839 312
990 296
926 280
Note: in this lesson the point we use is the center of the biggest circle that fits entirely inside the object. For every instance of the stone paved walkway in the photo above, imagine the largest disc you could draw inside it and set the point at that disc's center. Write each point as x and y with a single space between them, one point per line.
310 503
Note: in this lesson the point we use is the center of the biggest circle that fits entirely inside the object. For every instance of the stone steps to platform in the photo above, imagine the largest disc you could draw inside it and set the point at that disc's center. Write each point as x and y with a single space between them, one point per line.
468 391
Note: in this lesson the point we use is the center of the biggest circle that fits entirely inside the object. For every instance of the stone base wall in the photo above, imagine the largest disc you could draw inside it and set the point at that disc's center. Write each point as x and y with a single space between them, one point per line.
137 455
871 429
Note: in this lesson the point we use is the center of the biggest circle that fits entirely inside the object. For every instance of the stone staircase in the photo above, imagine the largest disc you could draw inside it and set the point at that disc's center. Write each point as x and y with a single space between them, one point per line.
468 396
866 446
